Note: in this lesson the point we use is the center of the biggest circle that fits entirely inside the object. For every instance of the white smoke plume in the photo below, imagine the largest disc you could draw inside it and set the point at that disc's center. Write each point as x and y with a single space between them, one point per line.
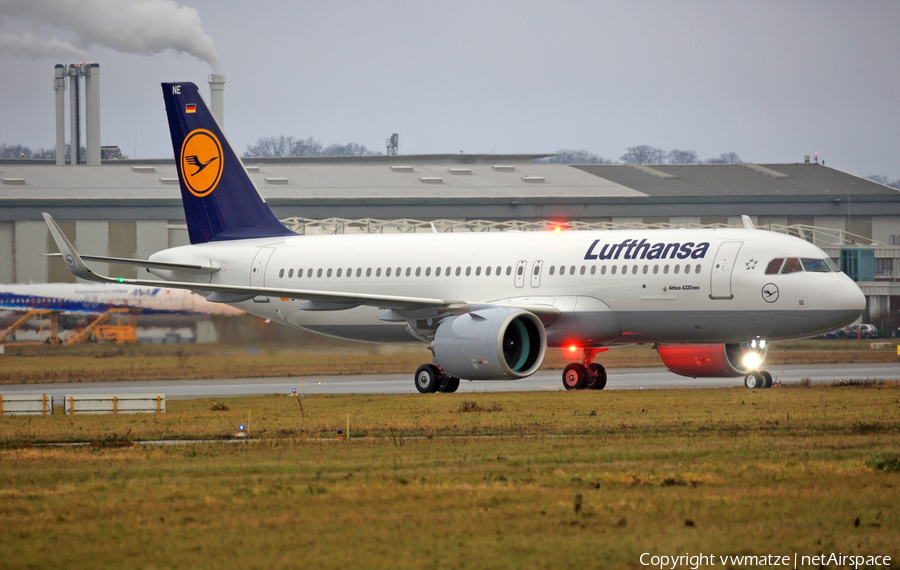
143 27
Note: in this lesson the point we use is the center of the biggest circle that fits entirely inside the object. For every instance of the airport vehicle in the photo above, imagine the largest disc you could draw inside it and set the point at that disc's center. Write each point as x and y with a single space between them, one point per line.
858 331
490 304
96 298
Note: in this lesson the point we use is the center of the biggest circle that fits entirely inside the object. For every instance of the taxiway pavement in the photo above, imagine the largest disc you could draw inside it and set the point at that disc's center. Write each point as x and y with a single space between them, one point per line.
551 380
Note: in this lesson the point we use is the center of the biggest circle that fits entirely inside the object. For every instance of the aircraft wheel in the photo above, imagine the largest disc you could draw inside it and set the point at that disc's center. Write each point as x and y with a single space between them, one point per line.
767 379
449 385
575 376
599 374
427 379
753 380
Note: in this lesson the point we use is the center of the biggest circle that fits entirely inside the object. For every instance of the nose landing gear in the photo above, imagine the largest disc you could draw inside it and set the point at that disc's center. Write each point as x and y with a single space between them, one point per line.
585 374
758 379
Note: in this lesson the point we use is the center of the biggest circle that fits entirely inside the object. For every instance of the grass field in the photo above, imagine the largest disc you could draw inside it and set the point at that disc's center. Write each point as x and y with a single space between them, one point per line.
506 480
108 362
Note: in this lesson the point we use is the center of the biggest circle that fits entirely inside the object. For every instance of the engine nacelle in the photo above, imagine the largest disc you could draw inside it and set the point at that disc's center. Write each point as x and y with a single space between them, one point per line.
711 360
491 344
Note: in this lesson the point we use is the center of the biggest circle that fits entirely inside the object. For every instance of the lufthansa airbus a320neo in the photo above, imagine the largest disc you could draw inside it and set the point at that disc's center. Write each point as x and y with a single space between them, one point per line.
489 305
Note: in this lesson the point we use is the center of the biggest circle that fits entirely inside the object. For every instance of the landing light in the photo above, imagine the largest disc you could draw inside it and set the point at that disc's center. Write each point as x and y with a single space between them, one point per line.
573 348
558 229
752 360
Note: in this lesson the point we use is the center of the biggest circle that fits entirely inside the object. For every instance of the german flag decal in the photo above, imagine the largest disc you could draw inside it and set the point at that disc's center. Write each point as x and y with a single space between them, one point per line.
190 108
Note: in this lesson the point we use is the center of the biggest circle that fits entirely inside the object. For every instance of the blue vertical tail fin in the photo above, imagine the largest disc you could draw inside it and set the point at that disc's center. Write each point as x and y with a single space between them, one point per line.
220 201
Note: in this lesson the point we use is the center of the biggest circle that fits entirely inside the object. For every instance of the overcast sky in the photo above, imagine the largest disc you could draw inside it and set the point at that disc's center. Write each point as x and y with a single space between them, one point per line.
769 80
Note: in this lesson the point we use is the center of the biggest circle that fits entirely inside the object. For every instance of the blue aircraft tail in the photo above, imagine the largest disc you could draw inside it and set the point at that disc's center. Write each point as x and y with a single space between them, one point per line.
220 201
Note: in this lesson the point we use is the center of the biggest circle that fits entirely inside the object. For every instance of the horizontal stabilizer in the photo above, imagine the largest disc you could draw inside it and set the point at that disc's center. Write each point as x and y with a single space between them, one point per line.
147 263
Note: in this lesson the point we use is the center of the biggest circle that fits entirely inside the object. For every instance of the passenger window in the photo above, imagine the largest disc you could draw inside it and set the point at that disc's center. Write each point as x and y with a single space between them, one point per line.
774 266
645 269
498 271
677 269
593 269
386 273
469 271
614 268
537 269
666 269
369 272
378 272
437 272
487 270
299 274
319 273
349 272
418 271
309 273
458 271
329 272
339 271
290 273
655 269
427 272
572 270
603 270
687 268
508 270
478 271
791 265
582 270
281 273
552 269
448 272
520 270
358 271
624 269
634 270
408 271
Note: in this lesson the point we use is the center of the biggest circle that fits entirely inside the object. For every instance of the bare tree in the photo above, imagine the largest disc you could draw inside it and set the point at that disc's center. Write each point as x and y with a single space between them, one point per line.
574 156
725 158
682 157
644 154
14 151
884 180
291 146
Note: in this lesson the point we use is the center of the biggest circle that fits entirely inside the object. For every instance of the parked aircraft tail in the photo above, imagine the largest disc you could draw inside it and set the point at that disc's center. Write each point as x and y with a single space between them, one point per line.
220 201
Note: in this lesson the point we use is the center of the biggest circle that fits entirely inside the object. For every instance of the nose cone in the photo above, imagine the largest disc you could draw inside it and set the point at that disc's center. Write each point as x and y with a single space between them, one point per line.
845 295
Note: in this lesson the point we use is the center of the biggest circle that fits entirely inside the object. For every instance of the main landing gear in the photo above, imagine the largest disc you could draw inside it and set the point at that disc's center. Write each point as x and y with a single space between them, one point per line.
585 374
430 379
758 379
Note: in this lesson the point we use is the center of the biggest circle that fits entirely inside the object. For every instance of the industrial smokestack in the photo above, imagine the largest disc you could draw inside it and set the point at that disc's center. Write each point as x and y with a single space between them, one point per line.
216 100
74 115
59 85
92 112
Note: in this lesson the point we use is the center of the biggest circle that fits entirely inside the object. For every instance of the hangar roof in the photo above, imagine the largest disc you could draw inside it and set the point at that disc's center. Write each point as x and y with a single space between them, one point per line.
466 186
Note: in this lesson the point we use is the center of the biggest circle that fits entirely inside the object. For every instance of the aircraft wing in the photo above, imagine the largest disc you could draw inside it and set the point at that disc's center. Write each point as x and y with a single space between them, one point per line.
321 300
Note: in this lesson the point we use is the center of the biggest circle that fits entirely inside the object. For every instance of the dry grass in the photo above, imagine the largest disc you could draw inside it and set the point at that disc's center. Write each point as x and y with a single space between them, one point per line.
725 471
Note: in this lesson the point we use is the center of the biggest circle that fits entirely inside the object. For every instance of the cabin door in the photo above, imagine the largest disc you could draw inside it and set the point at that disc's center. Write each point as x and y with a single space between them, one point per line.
723 266
258 269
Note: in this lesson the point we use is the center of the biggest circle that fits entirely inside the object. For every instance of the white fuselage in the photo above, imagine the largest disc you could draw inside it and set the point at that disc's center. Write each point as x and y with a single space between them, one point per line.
610 287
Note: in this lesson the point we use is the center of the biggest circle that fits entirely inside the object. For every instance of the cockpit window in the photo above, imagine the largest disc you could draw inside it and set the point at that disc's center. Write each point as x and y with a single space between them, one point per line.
817 265
774 266
791 265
